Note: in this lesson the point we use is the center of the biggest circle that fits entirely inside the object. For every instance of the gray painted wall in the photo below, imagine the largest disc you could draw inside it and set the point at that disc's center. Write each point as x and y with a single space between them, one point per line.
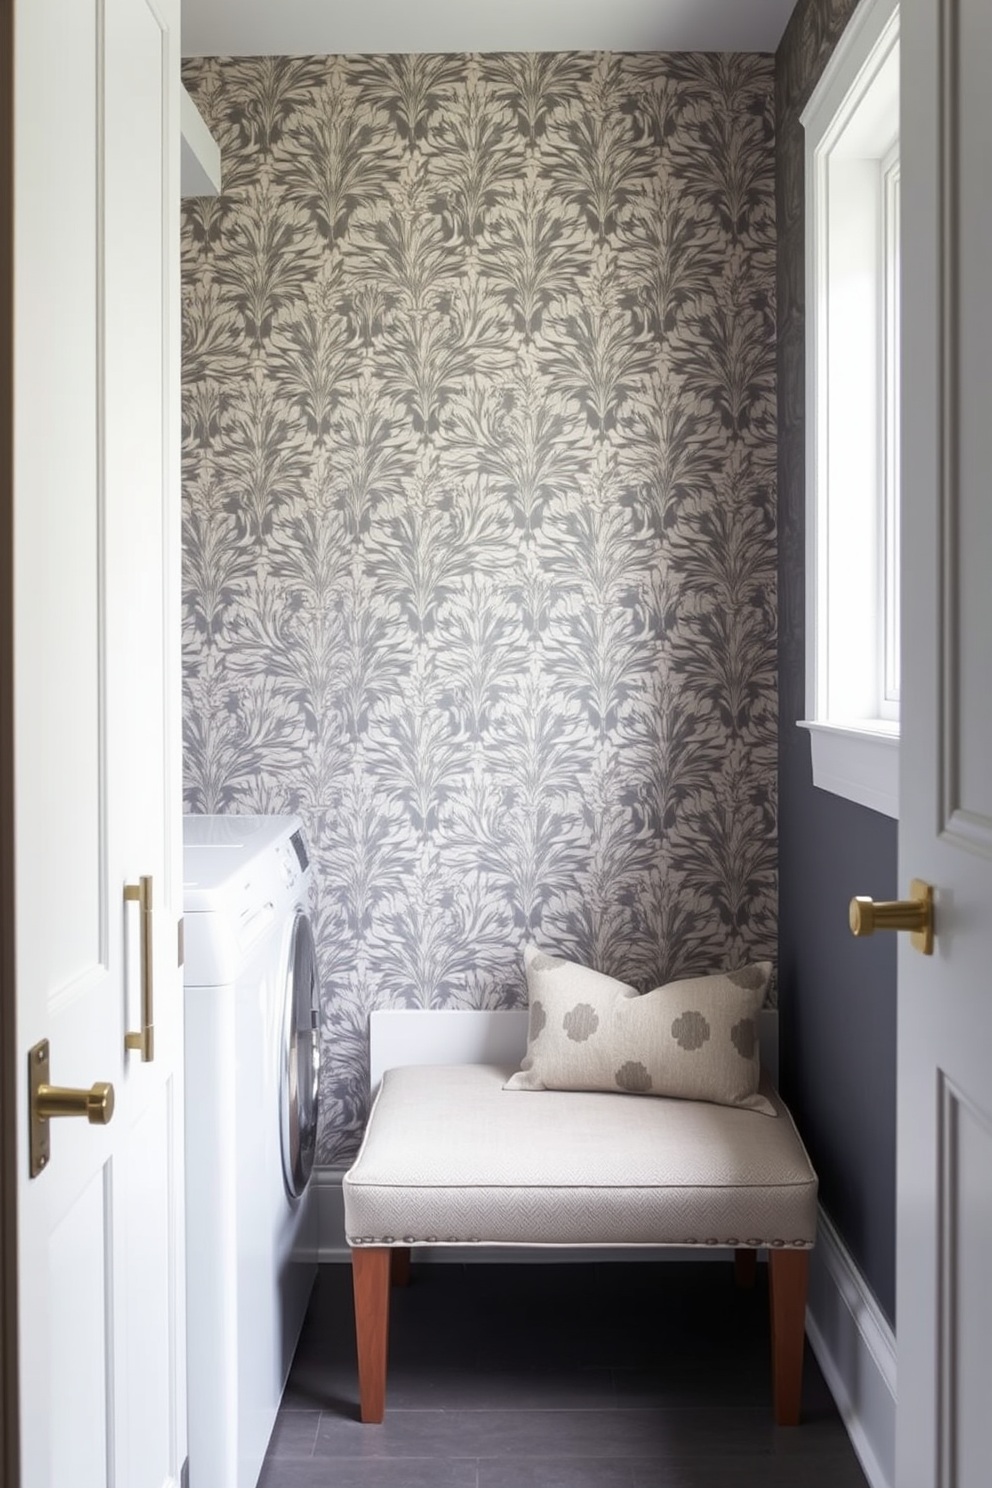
837 995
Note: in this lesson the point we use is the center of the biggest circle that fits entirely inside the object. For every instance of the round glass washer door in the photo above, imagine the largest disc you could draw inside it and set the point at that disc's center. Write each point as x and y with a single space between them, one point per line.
300 1059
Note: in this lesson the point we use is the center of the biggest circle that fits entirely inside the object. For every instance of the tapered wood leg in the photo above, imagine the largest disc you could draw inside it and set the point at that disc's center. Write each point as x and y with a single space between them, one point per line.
370 1273
399 1266
788 1280
745 1267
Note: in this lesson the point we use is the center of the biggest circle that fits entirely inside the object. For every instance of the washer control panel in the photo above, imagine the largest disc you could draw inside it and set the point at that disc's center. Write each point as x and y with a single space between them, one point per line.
291 860
300 849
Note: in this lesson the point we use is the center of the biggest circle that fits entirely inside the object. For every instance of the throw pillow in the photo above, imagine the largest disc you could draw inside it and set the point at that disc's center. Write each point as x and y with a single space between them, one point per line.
695 1039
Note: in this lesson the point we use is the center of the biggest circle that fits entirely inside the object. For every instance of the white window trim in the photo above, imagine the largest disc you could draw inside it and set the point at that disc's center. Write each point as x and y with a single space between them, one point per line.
889 577
858 757
858 762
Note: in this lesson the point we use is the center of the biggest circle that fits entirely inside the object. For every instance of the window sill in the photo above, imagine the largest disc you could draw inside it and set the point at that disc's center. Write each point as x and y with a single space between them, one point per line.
858 761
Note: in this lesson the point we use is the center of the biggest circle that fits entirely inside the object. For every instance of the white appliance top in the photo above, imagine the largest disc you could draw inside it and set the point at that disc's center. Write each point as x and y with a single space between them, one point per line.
218 851
240 875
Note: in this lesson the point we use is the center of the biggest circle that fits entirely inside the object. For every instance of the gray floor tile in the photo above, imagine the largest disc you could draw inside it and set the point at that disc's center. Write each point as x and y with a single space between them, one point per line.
483 1387
610 1434
681 1382
561 1472
819 1434
320 1386
425 1472
590 1346
814 1471
294 1433
640 1375
721 1380
415 1385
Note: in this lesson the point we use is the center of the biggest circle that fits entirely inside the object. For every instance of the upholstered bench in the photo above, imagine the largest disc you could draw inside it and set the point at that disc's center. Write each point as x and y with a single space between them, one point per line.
452 1158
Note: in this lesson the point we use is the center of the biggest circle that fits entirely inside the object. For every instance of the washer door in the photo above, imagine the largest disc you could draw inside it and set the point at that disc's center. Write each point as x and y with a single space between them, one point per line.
300 1059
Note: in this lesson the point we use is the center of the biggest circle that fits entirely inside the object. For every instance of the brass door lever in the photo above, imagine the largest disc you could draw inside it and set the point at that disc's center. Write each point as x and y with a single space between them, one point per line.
914 914
51 1101
96 1104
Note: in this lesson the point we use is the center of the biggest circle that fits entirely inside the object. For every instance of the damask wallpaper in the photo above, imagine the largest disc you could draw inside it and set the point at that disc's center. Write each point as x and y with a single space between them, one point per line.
480 530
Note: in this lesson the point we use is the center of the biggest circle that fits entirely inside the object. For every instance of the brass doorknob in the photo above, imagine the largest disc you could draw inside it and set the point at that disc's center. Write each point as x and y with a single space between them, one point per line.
914 914
96 1104
48 1102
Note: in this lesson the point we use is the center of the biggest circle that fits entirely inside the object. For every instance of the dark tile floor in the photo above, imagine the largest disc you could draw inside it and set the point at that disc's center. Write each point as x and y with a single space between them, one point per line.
622 1375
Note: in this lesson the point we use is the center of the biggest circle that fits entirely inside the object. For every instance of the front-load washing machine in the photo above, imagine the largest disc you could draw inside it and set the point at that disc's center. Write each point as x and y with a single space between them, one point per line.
251 1075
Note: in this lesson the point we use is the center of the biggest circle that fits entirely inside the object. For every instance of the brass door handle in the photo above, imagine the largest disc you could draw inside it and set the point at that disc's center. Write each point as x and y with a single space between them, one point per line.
49 1102
96 1104
144 1039
914 914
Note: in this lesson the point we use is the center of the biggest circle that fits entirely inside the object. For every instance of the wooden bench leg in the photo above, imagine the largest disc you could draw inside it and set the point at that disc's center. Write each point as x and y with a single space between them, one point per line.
745 1267
399 1266
788 1278
370 1273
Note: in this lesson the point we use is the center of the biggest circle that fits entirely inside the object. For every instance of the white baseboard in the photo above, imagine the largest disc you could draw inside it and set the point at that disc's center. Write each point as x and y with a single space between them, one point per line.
856 1349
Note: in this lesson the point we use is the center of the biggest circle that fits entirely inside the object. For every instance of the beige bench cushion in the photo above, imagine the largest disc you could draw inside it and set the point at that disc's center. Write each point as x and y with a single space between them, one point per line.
450 1157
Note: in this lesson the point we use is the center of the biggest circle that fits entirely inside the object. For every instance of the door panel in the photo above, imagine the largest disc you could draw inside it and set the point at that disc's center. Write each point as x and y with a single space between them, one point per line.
136 371
967 186
966 1289
79 1263
149 1229
102 1366
944 1297
57 414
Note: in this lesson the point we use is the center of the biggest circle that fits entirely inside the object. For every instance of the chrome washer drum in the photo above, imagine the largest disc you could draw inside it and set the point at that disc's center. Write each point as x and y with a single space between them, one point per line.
300 1058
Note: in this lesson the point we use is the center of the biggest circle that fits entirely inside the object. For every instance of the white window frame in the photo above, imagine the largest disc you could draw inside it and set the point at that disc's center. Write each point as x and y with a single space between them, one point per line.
889 660
852 434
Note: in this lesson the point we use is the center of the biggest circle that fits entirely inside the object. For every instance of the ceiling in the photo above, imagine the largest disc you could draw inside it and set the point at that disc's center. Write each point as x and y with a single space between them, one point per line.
294 27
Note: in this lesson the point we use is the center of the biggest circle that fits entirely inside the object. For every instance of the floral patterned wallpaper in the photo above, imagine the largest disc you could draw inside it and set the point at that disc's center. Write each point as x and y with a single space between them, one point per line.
480 531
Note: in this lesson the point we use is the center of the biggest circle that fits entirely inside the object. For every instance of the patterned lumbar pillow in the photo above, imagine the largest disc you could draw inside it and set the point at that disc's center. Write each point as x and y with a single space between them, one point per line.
696 1039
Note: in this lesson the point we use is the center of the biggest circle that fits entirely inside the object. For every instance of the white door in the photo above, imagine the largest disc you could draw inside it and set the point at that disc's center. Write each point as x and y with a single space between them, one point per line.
944 1298
96 735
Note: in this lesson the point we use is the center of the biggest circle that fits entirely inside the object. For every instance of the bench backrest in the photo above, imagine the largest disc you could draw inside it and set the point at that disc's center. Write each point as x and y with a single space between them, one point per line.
402 1036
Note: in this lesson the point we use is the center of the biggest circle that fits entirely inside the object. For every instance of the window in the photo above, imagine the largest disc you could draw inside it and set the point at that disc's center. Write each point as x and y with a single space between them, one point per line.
852 413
